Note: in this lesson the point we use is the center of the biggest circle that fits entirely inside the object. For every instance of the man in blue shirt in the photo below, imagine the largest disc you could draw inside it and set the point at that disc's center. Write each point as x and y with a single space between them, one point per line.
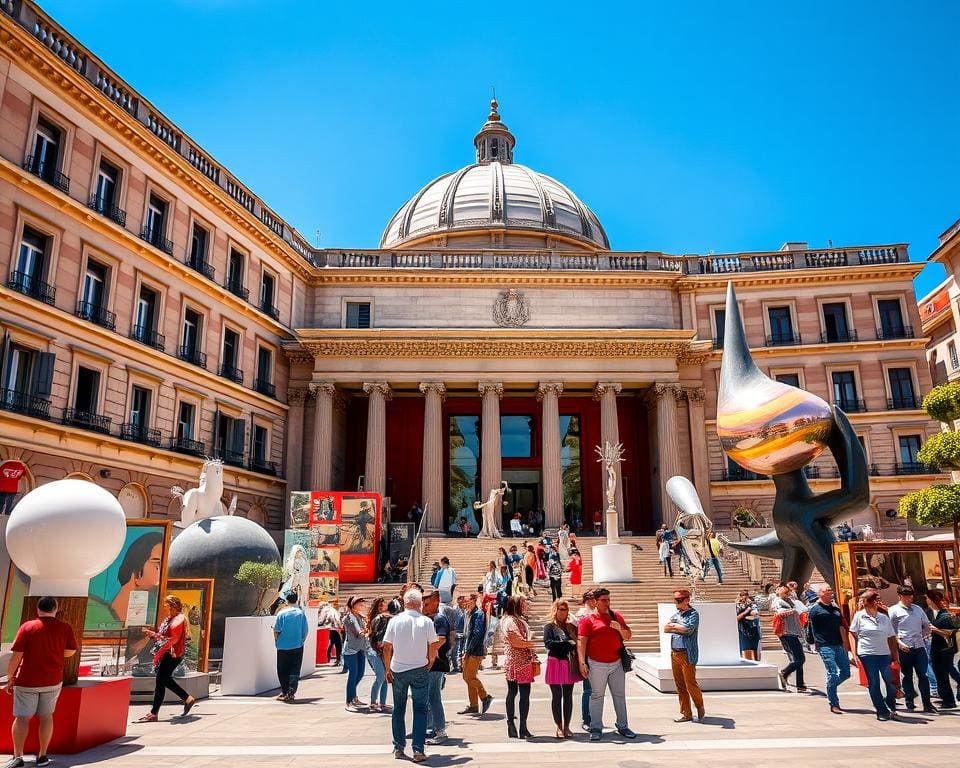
684 652
826 622
290 631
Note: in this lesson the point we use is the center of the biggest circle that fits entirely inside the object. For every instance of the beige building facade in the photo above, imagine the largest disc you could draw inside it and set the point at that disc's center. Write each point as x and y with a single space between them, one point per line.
940 313
156 312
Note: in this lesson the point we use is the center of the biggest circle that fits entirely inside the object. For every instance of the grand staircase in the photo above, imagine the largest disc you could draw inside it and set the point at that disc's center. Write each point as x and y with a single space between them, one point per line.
637 602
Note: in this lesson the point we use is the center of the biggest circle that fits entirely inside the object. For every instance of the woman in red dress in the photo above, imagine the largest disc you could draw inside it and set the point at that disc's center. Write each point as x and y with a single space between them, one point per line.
575 568
170 645
519 663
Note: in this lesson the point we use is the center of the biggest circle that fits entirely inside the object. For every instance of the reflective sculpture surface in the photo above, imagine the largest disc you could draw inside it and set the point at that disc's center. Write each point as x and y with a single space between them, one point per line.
692 527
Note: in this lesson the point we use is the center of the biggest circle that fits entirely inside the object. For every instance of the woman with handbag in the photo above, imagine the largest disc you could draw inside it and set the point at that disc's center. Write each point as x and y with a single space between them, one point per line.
563 668
943 646
169 647
748 627
520 666
377 619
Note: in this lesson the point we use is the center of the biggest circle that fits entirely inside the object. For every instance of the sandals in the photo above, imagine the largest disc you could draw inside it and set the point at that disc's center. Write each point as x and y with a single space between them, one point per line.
189 704
147 718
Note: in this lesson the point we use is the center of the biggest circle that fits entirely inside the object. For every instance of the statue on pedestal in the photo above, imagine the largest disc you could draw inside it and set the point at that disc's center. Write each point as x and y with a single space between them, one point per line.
489 529
611 455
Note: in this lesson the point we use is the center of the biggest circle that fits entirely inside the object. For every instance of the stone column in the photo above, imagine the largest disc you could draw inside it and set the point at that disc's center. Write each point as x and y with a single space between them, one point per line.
490 469
433 453
549 393
606 392
293 459
323 392
667 443
698 446
375 468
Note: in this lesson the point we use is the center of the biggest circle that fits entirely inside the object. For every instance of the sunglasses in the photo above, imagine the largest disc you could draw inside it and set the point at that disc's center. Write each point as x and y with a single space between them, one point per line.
680 599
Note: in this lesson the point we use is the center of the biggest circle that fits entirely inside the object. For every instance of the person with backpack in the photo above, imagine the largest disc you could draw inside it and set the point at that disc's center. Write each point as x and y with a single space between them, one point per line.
788 626
555 572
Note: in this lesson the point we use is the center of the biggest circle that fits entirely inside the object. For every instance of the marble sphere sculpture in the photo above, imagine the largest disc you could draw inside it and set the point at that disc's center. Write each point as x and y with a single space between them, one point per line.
64 533
764 425
215 547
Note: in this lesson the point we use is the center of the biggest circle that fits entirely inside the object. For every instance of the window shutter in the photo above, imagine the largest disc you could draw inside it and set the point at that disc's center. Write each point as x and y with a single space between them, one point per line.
43 376
236 436
363 316
5 360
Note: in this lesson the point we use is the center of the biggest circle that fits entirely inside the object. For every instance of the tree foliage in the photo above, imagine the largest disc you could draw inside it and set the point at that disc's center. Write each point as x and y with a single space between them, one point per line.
941 450
943 403
938 506
262 576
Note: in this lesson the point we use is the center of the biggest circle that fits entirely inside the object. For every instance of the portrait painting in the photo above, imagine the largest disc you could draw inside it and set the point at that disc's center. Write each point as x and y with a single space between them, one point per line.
359 527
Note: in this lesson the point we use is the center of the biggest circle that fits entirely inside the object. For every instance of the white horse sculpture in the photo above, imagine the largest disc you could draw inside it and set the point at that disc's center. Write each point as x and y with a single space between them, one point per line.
489 530
204 500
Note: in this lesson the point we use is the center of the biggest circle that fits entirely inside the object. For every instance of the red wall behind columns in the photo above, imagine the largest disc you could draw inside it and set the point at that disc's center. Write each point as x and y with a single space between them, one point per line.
356 450
405 453
632 425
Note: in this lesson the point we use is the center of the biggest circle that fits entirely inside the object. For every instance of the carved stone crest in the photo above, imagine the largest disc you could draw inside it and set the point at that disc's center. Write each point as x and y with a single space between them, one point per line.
511 309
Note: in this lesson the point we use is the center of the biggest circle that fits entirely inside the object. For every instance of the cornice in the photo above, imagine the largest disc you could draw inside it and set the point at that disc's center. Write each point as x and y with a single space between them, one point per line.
845 348
74 86
855 273
495 278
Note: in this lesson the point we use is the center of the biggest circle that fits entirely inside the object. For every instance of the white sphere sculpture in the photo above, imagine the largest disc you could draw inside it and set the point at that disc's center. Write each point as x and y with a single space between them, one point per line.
64 533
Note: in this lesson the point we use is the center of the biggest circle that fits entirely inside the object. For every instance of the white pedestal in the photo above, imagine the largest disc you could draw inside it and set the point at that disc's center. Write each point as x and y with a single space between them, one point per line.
719 667
612 563
250 655
4 559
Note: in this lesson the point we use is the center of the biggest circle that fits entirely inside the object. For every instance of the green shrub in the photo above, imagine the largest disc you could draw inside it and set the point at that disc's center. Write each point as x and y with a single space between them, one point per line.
941 450
943 403
262 576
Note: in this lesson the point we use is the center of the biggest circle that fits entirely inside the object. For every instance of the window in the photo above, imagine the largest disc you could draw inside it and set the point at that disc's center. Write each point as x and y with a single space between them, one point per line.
570 467
781 325
229 439
146 319
845 390
29 277
464 463
235 274
952 349
87 395
835 323
140 407
155 224
107 193
198 251
260 435
901 388
93 296
230 356
264 382
517 436
793 379
45 158
909 448
891 319
358 314
720 324
267 289
191 338
186 417
27 381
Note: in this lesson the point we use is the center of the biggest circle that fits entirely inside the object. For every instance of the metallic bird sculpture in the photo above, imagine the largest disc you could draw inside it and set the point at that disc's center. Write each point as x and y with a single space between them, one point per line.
773 428
693 529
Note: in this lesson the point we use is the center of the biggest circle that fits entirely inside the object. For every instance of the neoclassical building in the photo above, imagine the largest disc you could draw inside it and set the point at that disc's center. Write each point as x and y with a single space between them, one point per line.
156 311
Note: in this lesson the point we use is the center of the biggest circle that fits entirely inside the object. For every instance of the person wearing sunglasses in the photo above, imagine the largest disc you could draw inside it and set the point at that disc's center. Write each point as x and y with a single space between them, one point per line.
684 652
875 647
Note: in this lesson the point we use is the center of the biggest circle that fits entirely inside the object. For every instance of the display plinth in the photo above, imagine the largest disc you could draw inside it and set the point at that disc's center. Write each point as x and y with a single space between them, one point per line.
250 655
197 684
90 713
612 563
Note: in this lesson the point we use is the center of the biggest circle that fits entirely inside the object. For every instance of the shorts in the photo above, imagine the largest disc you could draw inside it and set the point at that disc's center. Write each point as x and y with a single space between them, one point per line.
28 702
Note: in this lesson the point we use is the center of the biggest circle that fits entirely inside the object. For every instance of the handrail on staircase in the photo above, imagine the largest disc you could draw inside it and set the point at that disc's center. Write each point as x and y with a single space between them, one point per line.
414 563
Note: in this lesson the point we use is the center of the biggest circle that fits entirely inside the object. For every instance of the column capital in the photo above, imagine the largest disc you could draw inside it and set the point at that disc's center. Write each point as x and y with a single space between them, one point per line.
549 387
606 387
318 388
434 386
378 386
491 386
695 395
296 396
663 389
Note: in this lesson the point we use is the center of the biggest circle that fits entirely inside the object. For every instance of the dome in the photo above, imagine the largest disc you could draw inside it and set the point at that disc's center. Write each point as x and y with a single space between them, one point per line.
494 193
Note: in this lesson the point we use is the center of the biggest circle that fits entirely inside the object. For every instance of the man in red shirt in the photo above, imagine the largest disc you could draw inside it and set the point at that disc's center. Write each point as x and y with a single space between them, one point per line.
35 676
600 637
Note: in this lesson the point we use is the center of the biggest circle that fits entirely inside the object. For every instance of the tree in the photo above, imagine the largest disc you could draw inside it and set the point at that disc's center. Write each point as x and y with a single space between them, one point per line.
262 576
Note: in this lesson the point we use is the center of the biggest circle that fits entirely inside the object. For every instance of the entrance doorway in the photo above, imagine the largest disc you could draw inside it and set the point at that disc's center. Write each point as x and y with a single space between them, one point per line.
523 496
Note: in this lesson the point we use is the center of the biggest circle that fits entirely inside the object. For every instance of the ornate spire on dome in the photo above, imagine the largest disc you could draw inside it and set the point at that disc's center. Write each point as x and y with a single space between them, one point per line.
494 142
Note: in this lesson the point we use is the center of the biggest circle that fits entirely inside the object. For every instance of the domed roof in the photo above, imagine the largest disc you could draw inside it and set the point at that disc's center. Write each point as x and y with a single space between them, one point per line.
494 193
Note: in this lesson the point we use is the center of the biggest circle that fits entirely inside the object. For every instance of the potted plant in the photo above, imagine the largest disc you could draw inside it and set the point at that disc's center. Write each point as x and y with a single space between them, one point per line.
262 576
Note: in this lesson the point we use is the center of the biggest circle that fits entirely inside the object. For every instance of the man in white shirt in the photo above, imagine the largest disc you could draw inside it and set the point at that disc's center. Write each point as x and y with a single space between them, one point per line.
446 580
410 646
911 624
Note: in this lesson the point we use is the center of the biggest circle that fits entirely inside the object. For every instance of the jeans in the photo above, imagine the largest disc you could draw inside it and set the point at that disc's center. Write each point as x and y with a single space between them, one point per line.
667 565
942 663
336 644
165 681
288 669
603 674
475 689
875 667
355 664
556 589
791 644
436 716
915 660
416 683
837 664
716 564
685 677
585 701
378 691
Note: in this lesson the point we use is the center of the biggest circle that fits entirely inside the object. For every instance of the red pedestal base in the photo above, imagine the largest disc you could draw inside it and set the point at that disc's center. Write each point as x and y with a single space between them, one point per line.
323 642
90 713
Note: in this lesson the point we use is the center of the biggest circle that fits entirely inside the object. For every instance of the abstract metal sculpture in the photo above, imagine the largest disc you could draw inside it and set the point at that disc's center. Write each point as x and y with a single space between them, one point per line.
772 428
692 527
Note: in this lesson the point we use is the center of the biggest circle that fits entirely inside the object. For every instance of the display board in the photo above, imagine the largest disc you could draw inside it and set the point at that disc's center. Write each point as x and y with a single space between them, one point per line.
197 598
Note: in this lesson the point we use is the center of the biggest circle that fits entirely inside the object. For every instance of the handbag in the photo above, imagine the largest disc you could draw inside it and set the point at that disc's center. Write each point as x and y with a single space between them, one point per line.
626 657
536 667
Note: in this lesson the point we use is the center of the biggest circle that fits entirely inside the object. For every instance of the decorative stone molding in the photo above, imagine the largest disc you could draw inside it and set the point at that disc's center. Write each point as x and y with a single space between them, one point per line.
511 309
695 395
378 386
491 386
297 355
318 388
544 387
297 396
673 390
603 387
434 386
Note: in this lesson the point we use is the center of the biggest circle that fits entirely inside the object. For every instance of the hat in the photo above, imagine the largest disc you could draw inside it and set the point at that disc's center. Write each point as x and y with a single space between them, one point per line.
355 599
290 596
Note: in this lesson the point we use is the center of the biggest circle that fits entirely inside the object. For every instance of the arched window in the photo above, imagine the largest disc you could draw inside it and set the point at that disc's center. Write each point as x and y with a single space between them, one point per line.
133 499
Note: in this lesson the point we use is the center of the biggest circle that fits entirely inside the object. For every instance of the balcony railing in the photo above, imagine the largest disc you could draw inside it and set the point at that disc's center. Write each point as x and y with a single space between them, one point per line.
784 340
188 446
75 417
32 286
231 372
108 209
138 433
48 172
237 289
149 337
812 472
157 240
269 309
263 467
844 337
903 404
718 343
737 474
24 403
895 332
96 314
914 468
203 267
264 387
233 458
192 355
851 406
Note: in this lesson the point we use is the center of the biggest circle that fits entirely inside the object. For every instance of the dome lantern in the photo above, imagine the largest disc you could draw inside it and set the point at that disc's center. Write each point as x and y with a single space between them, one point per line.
494 142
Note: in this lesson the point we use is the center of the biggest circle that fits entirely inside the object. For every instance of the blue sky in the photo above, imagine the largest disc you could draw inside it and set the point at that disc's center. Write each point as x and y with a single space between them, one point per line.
687 127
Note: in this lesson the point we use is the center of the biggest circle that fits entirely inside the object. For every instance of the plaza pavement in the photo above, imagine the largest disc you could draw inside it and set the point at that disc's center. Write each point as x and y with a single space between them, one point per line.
741 729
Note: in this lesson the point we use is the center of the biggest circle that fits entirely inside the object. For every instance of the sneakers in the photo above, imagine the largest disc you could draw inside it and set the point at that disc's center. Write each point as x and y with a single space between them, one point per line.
683 719
485 703
469 711
14 762
438 738
596 735
626 733
419 757
43 760
398 754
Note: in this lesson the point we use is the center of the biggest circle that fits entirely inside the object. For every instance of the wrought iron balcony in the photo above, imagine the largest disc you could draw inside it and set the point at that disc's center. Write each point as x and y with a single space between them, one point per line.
237 289
914 468
851 406
738 474
264 387
75 417
718 343
138 433
812 472
903 403
231 372
268 308
188 446
263 467
839 338
157 240
97 315
108 209
895 332
149 337
32 286
192 355
48 172
203 267
233 458
784 340
24 403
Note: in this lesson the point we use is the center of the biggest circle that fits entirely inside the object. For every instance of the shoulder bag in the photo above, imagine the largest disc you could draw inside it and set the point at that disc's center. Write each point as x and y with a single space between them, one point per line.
626 655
